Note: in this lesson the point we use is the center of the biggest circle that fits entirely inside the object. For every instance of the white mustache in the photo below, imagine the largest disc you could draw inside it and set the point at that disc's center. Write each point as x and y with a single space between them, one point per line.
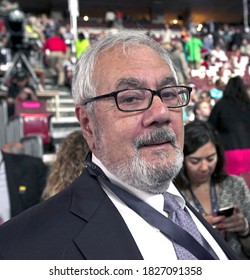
157 136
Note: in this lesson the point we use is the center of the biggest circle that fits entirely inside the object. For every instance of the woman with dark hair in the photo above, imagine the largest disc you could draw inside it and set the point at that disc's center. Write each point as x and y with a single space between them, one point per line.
231 118
206 186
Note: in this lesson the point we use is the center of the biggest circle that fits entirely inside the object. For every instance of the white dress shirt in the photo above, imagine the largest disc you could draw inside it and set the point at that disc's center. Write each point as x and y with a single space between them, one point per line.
4 192
152 244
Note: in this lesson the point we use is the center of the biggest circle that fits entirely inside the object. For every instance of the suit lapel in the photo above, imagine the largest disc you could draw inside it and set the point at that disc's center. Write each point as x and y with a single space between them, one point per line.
105 235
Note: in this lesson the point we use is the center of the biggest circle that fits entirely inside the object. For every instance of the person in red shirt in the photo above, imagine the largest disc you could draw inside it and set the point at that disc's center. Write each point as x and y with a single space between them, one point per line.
55 50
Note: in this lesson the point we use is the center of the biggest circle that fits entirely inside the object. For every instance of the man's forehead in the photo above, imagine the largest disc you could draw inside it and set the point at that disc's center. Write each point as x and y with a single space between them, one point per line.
124 51
115 69
138 82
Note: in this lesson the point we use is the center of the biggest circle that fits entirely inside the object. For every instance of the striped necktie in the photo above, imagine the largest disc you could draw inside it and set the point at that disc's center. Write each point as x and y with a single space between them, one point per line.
183 219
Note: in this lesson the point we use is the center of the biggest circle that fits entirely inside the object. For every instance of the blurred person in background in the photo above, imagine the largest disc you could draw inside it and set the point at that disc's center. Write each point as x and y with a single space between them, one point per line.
68 36
245 48
218 54
56 51
237 37
235 59
208 188
193 50
68 165
202 110
180 62
205 96
167 35
194 98
216 92
82 43
208 42
22 180
20 89
231 118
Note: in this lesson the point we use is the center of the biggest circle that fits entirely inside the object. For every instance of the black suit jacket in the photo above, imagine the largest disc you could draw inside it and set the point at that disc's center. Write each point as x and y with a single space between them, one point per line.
81 222
26 178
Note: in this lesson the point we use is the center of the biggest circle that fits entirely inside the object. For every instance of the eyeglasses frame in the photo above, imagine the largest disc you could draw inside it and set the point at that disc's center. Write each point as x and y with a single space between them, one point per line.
154 92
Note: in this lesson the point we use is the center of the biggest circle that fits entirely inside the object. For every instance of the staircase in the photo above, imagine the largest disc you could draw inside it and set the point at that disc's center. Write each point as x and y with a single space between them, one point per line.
63 121
67 122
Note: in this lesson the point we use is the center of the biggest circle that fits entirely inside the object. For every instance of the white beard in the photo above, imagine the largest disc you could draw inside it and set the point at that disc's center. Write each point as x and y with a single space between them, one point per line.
138 173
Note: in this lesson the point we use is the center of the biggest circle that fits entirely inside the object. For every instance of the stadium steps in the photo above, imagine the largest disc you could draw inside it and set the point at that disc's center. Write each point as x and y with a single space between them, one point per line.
67 122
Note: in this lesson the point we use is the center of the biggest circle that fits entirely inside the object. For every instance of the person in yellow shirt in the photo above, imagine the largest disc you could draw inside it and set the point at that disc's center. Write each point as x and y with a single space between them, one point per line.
82 43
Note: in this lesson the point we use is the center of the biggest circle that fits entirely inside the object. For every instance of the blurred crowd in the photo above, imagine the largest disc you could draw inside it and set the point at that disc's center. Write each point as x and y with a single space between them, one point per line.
204 61
205 58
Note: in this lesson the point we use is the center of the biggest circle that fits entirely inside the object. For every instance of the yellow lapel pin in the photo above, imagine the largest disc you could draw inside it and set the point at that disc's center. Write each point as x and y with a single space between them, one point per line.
22 189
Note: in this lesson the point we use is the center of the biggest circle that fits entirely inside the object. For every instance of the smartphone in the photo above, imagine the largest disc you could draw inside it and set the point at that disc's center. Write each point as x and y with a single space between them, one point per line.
226 211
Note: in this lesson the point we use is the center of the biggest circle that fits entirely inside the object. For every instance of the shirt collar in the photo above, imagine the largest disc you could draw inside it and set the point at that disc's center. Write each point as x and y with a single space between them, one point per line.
155 200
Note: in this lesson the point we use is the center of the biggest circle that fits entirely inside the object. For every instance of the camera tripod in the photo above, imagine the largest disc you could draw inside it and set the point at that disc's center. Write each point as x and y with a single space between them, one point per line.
18 61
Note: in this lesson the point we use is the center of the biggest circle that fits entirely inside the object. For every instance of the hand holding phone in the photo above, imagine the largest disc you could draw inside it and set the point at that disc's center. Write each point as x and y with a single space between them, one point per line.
226 211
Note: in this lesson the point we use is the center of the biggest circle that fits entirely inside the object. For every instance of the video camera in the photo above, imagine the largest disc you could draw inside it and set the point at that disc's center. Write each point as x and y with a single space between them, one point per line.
20 47
15 23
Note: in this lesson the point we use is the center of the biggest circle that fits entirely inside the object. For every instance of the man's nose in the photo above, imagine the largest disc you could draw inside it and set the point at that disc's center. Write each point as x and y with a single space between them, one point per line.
157 113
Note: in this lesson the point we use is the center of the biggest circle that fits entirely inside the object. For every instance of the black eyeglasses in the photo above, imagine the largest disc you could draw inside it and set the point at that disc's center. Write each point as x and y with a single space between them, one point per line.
139 99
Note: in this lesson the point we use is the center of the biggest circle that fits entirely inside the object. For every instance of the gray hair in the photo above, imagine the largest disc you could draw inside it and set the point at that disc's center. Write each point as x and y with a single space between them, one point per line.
83 86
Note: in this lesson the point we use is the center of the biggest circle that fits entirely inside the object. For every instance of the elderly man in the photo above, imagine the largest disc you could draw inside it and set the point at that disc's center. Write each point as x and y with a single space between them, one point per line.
124 205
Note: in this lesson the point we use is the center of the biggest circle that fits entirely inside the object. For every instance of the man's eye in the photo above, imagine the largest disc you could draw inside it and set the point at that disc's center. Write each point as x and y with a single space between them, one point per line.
130 99
169 95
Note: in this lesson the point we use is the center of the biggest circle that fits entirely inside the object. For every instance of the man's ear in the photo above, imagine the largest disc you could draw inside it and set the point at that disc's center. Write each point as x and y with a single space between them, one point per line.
86 125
